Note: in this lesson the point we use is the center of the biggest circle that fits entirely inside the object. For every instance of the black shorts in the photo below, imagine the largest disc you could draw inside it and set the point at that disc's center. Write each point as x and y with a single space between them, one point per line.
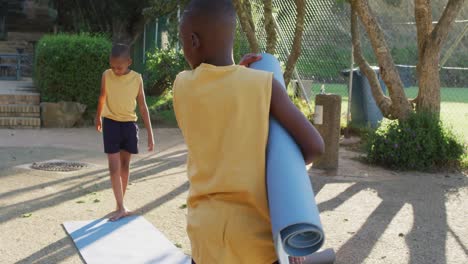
119 136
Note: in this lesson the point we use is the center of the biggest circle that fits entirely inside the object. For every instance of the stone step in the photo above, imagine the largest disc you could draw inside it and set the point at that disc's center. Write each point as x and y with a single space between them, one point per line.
20 111
13 49
20 122
24 36
23 86
16 98
21 90
10 46
13 43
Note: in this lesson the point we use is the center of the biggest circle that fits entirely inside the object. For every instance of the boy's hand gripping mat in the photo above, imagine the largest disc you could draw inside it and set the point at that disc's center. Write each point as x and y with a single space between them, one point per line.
295 219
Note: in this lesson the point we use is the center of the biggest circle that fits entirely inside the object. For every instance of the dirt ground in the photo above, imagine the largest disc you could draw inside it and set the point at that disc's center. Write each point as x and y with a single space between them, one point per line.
370 215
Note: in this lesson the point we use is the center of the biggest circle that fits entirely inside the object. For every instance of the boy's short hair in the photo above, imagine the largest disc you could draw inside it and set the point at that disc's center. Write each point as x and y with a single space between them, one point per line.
120 50
212 8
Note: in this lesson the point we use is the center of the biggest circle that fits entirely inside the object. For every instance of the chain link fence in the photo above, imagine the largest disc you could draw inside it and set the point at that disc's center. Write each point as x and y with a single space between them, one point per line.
326 49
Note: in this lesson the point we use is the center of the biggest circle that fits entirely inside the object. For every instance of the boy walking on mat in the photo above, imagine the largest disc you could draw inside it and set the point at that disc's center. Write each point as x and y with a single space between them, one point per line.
121 91
223 111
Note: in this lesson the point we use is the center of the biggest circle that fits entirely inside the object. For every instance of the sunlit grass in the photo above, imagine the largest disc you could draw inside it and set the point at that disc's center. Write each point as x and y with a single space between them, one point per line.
454 105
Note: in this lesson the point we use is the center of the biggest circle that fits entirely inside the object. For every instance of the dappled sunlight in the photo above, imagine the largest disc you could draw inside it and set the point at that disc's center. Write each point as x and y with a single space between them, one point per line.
61 249
455 250
337 204
170 173
397 219
39 184
168 164
457 243
328 193
52 189
392 245
37 199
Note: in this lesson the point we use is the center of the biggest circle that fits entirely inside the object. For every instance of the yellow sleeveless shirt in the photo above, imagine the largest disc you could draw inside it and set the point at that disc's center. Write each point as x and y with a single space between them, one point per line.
223 113
121 94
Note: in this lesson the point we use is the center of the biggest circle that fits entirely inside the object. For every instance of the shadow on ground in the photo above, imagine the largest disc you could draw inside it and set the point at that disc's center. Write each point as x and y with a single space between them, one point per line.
84 183
426 194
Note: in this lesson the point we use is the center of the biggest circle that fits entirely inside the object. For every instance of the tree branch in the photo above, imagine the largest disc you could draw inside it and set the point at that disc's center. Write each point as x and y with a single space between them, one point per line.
423 18
244 13
428 98
297 41
383 102
440 32
248 10
270 27
401 107
137 28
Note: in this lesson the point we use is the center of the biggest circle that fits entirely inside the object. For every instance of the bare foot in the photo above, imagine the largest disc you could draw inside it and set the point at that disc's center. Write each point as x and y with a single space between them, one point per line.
109 215
120 214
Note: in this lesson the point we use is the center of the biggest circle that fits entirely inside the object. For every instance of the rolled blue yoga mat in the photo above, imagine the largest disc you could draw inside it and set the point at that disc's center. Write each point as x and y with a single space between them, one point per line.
295 218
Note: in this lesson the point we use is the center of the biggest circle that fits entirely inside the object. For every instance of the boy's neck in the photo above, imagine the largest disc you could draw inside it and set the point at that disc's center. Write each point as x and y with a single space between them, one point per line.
126 72
226 60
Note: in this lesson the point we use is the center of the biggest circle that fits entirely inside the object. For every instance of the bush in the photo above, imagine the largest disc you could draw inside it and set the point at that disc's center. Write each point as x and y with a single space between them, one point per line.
161 108
299 101
421 143
464 162
162 66
69 68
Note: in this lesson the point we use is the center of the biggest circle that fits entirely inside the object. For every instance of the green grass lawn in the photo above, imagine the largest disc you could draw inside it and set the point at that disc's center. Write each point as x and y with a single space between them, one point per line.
454 105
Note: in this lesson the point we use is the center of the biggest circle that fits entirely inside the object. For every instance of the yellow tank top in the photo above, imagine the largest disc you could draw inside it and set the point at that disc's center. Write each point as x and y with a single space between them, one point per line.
223 113
121 94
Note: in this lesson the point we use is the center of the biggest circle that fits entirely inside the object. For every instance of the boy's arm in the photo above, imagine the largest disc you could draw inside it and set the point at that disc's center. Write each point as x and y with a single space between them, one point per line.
287 114
145 115
101 102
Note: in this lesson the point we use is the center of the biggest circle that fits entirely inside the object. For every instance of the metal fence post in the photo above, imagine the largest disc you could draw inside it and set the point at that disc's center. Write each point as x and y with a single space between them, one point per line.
18 66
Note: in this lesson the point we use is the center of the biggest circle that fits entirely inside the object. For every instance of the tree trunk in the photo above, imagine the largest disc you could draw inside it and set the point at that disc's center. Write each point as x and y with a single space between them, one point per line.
297 42
428 99
427 67
400 106
120 32
270 27
383 102
430 42
137 28
244 13
429 45
423 17
127 32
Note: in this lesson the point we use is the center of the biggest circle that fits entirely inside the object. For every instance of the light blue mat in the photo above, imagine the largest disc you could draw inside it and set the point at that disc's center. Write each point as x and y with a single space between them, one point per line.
131 240
295 219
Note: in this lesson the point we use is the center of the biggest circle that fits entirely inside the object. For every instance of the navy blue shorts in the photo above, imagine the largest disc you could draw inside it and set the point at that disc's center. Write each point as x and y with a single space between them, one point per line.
119 136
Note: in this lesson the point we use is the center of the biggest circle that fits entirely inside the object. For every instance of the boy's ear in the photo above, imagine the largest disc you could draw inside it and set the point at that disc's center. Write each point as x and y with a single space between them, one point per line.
130 61
195 41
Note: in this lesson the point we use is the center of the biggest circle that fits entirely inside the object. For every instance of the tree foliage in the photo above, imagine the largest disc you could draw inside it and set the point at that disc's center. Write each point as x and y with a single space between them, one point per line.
244 13
124 20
